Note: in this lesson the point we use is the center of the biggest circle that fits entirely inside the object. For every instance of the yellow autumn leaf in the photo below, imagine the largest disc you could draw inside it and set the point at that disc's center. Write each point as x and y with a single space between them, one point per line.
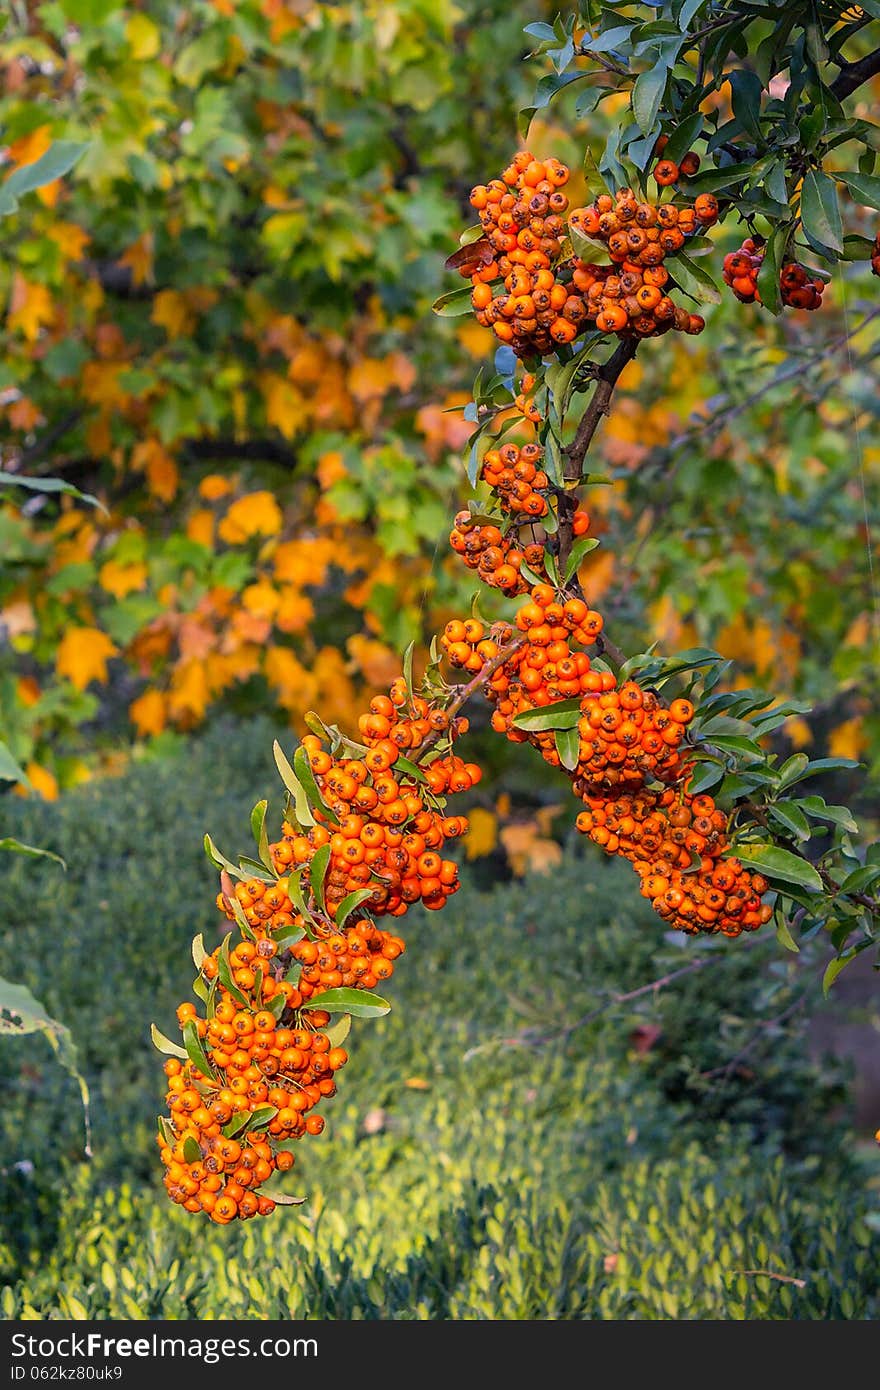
304 560
200 527
189 693
261 599
284 404
295 687
120 580
70 239
82 655
798 731
214 486
378 664
848 739
43 783
172 312
482 835
255 514
330 469
295 610
152 458
417 1083
528 850
148 713
139 258
143 37
30 307
100 384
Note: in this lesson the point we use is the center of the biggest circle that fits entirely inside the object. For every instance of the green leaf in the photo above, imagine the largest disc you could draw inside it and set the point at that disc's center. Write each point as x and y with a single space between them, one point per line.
693 279
816 807
647 94
258 826
834 967
683 137
780 864
254 868
719 180
287 937
865 188
244 925
745 100
357 1002
317 872
410 768
307 780
792 770
198 951
282 1199
9 767
238 1122
709 772
224 973
349 903
302 810
220 861
820 211
259 1118
194 1049
191 1150
768 275
563 714
278 1003
581 548
58 160
454 303
860 879
568 747
408 668
21 1013
50 485
165 1045
32 851
783 933
789 815
337 1032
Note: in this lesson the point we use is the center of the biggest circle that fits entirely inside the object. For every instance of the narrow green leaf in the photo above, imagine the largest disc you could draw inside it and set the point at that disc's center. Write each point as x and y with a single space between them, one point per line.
198 951
338 1031
719 180
789 815
816 807
357 1002
454 303
693 279
349 903
783 934
165 1045
303 771
568 747
410 768
768 275
238 1122
10 771
317 872
254 868
194 1049
32 851
834 967
647 94
302 810
244 925
860 879
220 861
50 485
57 161
191 1151
683 137
224 973
258 826
581 548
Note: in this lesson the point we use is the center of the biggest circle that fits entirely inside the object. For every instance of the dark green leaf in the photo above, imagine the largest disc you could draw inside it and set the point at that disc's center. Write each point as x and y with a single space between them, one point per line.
681 139
647 94
789 815
14 846
349 903
454 303
49 485
860 879
58 160
579 550
693 279
768 275
220 861
317 872
224 974
820 211
258 827
783 933
191 1151
194 1049
564 714
718 180
816 807
865 188
306 778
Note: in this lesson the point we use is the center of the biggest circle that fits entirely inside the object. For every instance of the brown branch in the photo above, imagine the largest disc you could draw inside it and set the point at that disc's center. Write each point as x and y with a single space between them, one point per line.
263 450
38 450
770 1274
852 75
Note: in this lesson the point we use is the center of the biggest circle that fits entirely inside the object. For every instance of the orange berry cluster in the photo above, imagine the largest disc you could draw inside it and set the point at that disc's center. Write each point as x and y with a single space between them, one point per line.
627 737
516 476
522 402
522 216
628 295
496 557
800 289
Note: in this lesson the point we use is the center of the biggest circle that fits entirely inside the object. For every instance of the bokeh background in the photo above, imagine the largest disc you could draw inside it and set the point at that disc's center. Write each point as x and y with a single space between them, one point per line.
219 324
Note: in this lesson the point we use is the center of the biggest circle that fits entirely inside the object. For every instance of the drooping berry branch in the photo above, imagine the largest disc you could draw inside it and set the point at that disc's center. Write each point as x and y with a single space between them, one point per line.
669 764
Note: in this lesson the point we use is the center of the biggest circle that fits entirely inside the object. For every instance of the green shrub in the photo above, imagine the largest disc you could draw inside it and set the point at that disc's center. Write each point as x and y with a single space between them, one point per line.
489 1154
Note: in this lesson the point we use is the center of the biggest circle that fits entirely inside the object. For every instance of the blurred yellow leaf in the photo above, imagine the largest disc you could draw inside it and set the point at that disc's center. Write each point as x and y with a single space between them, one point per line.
848 739
303 561
378 664
200 527
528 850
142 36
148 713
331 467
151 457
120 580
284 404
798 731
82 655
214 486
189 694
417 1083
482 835
139 259
30 147
262 599
43 783
295 610
70 239
30 307
255 514
172 312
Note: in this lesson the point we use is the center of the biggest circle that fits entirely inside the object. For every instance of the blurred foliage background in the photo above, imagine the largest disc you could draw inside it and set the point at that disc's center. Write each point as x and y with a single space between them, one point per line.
219 324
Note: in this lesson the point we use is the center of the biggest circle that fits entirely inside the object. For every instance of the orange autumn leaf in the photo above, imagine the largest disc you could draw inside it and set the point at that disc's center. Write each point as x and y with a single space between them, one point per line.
372 376
262 599
255 514
23 414
148 713
100 384
151 457
120 580
482 835
189 694
200 527
43 783
528 850
172 312
30 307
284 404
378 664
139 259
295 688
295 610
848 740
82 655
214 486
70 239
